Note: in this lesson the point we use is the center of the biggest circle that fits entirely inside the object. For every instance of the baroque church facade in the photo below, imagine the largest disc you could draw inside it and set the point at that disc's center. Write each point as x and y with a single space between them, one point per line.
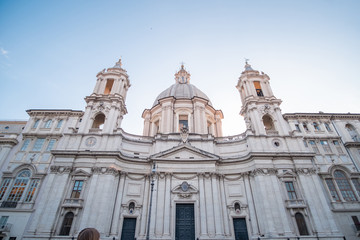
288 176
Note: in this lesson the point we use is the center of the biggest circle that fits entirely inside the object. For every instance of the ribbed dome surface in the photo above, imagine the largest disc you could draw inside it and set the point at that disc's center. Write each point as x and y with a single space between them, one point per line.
182 91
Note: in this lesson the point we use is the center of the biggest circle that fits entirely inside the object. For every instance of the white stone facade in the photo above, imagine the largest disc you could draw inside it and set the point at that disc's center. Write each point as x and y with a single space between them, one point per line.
288 176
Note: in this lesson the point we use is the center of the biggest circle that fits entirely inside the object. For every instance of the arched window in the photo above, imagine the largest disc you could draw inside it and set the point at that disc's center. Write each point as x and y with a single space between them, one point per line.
352 132
19 186
48 123
301 224
268 123
66 226
99 121
344 186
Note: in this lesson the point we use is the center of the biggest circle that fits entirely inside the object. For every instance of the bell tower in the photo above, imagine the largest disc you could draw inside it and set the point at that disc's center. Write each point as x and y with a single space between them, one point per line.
260 108
106 105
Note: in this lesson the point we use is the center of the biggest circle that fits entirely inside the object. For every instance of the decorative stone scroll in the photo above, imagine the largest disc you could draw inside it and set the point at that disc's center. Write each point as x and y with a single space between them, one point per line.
306 171
263 171
61 169
106 170
184 190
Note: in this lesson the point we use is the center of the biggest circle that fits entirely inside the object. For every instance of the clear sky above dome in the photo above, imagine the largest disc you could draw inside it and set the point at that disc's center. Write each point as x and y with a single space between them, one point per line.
51 51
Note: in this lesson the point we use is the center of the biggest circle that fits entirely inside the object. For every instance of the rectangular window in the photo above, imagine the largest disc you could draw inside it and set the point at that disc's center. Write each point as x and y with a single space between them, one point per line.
38 144
50 145
258 89
305 127
316 126
4 186
59 123
332 190
32 189
17 190
3 220
313 145
290 190
109 85
327 126
325 146
338 147
297 127
25 145
183 122
305 143
36 124
77 189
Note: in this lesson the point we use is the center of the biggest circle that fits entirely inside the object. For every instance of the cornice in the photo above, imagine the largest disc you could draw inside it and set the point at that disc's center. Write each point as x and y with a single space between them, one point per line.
54 112
330 116
11 141
99 154
352 144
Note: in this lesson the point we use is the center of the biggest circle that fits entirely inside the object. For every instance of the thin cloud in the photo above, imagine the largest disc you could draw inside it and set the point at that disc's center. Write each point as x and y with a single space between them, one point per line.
3 52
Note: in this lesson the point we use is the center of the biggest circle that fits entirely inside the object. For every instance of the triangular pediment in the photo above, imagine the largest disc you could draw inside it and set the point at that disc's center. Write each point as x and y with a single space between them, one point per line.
184 152
287 174
81 173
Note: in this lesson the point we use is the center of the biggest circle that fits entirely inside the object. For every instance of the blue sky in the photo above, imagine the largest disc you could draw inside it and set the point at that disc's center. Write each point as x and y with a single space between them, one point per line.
51 51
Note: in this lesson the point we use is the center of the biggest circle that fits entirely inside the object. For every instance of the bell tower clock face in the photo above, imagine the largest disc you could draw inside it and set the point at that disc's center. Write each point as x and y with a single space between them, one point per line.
91 141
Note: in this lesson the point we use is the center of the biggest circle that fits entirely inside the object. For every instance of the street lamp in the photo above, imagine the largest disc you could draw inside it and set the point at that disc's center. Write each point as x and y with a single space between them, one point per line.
153 170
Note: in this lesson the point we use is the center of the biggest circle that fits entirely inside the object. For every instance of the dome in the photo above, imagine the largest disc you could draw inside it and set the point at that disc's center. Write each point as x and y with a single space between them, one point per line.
182 91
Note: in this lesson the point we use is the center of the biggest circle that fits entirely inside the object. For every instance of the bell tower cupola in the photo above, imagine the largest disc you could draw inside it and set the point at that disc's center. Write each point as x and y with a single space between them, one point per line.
260 108
106 105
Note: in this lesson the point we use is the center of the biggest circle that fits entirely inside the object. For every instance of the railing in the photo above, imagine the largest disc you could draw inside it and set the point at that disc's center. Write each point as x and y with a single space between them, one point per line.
7 204
231 138
135 137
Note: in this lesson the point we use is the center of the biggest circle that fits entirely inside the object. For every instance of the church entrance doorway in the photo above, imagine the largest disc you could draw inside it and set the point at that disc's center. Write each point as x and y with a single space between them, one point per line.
128 229
185 222
240 229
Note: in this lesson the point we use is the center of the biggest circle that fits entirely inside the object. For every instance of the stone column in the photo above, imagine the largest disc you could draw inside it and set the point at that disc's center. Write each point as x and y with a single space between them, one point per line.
216 203
145 208
225 217
167 210
209 206
119 195
314 205
202 203
251 205
266 206
55 198
160 205
87 218
43 202
154 206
